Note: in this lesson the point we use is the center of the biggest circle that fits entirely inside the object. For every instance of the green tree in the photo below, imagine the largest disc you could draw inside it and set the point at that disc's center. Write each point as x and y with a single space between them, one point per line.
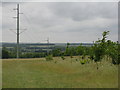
100 47
113 51
67 50
56 52
5 53
80 50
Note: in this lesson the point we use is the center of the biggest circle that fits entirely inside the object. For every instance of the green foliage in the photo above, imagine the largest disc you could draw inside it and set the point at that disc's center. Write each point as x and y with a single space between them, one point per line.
106 47
76 59
5 53
100 47
91 54
70 51
33 55
82 61
49 58
55 62
63 58
113 51
83 57
68 44
27 55
57 52
67 51
80 50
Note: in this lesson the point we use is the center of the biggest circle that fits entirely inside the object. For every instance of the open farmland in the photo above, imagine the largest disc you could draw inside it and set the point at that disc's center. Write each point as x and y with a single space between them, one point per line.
58 73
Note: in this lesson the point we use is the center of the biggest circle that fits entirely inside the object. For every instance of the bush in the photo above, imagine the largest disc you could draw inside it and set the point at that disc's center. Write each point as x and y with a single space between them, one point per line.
71 56
91 57
63 58
76 59
55 62
5 53
49 58
83 57
82 62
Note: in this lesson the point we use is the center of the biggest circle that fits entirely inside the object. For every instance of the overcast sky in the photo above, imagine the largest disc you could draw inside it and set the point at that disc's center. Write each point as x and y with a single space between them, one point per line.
62 22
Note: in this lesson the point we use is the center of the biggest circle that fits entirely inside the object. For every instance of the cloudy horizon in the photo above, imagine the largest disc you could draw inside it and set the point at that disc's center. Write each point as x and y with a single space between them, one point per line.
62 22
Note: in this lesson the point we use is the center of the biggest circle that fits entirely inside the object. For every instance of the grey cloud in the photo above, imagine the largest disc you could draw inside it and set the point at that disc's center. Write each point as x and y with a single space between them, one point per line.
61 20
82 11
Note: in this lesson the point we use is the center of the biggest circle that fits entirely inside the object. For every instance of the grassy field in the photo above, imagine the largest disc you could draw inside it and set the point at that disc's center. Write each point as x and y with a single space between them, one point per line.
38 73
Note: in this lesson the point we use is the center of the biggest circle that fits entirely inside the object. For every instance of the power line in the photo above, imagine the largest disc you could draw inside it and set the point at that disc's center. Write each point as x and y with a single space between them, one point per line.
29 22
30 26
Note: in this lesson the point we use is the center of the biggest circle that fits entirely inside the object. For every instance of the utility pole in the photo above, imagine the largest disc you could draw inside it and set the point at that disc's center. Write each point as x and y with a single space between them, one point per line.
48 46
18 30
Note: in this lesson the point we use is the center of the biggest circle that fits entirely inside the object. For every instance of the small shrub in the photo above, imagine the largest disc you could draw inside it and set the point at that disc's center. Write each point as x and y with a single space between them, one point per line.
91 57
83 57
82 62
88 60
55 62
63 58
49 58
71 56
76 59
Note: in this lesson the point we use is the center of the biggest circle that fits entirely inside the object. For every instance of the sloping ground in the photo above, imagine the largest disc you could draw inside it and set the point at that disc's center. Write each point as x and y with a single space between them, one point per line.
38 73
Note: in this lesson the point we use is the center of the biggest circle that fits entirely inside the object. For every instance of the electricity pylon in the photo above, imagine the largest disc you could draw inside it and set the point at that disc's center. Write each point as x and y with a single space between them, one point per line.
18 27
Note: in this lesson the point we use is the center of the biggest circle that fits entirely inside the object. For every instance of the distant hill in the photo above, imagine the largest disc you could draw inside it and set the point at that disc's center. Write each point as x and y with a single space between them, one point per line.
40 47
41 44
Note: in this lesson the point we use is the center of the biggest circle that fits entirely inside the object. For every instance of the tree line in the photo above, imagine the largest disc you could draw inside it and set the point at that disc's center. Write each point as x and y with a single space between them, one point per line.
100 49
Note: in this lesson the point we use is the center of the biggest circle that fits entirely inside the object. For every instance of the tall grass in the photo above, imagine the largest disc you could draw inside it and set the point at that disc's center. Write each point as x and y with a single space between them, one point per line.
38 73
